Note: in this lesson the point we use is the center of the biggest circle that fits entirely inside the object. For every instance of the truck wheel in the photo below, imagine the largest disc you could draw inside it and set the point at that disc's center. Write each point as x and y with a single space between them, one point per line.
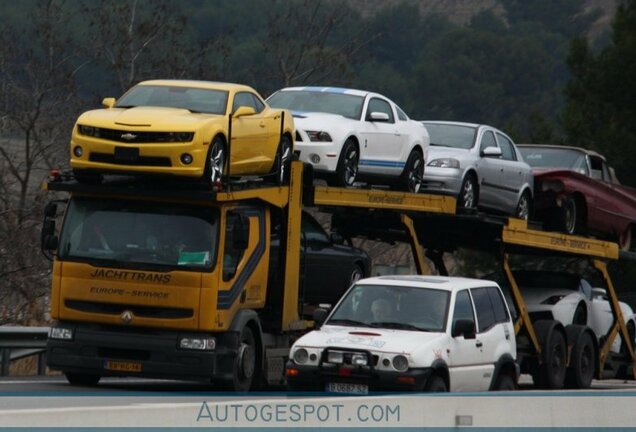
435 384
82 379
582 362
551 373
244 368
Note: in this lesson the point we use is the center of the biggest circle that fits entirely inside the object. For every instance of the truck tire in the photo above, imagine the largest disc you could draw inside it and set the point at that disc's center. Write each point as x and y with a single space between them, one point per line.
551 371
82 379
580 373
244 368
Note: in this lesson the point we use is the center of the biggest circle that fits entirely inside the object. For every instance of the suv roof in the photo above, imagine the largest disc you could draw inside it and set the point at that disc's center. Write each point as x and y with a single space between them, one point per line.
447 283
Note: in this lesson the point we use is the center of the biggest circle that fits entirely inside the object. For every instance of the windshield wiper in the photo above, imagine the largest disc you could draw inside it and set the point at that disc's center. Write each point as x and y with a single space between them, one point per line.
439 145
125 106
348 322
397 325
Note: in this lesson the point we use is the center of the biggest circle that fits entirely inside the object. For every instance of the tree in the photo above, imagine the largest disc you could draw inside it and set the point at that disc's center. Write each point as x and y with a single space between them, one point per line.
600 111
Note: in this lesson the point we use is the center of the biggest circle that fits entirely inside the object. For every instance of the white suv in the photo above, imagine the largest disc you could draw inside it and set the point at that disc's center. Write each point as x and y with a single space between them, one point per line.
421 333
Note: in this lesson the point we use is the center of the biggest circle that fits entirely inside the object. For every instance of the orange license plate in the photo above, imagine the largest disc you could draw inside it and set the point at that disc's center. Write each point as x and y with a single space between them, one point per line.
120 366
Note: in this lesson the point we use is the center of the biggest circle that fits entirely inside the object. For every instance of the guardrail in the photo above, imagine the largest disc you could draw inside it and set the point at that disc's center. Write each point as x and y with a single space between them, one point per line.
21 342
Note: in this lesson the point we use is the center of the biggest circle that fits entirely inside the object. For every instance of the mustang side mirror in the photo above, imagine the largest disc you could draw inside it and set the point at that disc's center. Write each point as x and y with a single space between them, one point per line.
464 327
108 102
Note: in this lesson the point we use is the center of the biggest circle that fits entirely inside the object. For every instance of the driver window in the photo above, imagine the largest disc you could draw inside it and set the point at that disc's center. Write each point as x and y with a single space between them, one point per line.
379 105
313 232
463 307
487 140
231 255
597 169
243 99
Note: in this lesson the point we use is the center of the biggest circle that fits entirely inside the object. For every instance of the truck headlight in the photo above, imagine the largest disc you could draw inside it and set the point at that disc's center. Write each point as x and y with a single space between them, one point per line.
199 344
61 333
444 163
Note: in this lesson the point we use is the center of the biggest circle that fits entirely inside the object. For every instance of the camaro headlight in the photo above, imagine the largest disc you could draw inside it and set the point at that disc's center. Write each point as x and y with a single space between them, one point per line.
444 163
318 136
179 136
88 131
400 363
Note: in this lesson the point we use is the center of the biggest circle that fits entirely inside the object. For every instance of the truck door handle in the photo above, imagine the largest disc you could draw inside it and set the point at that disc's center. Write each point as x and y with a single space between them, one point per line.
479 344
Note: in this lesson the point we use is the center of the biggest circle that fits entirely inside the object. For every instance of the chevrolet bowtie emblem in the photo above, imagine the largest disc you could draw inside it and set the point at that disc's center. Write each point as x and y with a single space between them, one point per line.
128 136
127 316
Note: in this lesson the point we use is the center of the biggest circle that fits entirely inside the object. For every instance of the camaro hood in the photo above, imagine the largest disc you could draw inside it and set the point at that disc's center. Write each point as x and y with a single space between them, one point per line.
373 339
154 118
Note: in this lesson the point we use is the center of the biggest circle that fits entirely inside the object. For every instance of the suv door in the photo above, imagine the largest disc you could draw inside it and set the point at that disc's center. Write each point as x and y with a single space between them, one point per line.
495 335
464 356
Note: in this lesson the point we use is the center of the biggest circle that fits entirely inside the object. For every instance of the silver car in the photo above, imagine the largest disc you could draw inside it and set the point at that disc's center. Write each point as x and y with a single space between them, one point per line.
481 166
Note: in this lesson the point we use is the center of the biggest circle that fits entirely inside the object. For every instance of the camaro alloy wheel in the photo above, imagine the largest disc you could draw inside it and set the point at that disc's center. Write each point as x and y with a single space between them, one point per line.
216 162
284 160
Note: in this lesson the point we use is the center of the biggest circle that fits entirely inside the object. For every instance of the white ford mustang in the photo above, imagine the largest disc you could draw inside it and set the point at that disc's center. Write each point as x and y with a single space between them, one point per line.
353 135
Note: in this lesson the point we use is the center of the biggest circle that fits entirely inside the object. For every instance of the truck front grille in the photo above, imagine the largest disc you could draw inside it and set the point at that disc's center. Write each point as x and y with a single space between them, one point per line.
157 312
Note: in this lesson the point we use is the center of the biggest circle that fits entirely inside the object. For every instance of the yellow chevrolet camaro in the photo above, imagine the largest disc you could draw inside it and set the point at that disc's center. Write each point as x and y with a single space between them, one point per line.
183 128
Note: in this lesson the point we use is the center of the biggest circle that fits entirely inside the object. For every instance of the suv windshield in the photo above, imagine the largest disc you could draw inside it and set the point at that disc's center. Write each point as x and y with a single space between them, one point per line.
136 233
398 307
349 106
207 101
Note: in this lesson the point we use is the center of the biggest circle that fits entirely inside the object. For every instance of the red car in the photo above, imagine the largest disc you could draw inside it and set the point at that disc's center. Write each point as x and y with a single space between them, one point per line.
577 192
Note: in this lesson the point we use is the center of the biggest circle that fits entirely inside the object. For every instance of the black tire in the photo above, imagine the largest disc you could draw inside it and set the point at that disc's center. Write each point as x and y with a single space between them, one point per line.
245 364
551 373
347 169
468 194
216 161
282 165
505 383
582 362
580 315
356 274
625 239
573 216
631 330
524 206
82 379
413 175
435 384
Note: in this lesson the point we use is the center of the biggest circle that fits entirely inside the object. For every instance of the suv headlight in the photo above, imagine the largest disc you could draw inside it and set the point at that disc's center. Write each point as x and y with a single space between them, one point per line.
444 163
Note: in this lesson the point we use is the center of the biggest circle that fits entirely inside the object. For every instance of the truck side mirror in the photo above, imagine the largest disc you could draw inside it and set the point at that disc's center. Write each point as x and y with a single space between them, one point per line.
50 210
464 327
48 238
241 234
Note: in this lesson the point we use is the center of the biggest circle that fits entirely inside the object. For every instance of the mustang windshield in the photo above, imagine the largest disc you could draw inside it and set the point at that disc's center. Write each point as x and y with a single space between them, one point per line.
397 307
137 233
456 136
548 157
349 106
193 99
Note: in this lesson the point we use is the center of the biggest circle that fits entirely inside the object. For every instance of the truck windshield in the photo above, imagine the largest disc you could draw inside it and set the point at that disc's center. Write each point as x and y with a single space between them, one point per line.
398 307
137 234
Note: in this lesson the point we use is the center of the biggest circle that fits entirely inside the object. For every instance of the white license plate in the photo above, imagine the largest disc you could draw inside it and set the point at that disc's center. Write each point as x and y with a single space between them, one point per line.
348 388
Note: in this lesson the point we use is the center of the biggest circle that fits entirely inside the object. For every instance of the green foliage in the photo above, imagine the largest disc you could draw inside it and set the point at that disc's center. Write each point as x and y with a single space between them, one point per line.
600 109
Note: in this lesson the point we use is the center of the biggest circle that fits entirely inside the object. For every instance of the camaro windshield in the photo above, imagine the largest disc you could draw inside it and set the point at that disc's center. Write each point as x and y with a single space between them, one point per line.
549 157
397 307
132 233
193 99
349 106
451 135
